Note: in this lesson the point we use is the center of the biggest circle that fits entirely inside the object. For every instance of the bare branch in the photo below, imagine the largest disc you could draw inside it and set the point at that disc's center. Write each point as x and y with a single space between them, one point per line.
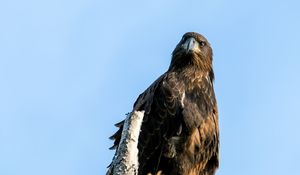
125 161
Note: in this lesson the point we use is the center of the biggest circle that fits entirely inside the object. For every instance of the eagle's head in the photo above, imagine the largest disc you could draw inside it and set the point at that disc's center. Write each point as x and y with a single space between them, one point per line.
192 50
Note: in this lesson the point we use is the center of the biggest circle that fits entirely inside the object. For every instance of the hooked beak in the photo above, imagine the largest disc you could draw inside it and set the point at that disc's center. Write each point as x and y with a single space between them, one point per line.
191 45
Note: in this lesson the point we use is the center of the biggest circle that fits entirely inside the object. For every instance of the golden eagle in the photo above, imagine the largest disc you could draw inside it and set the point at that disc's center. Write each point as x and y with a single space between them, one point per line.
179 133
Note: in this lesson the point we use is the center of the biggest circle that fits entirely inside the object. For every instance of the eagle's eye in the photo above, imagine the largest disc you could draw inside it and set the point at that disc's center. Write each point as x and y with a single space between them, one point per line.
202 43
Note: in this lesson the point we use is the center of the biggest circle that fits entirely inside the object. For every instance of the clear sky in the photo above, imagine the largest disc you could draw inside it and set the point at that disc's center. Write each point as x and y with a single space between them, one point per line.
69 70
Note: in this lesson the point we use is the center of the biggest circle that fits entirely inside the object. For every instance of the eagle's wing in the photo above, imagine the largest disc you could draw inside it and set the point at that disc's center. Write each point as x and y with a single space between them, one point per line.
161 122
161 103
144 100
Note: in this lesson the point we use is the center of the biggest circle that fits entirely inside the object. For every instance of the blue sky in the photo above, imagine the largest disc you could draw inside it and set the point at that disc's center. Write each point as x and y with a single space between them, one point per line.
69 70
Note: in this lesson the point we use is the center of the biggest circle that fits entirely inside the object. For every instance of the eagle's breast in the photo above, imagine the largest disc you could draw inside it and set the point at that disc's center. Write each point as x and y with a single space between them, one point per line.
201 122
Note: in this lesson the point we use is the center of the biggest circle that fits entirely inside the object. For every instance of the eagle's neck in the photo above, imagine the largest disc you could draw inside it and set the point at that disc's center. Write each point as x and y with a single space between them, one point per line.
191 73
190 63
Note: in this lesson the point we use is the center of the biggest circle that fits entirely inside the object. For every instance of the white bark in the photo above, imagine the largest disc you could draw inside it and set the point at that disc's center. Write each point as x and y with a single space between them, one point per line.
125 161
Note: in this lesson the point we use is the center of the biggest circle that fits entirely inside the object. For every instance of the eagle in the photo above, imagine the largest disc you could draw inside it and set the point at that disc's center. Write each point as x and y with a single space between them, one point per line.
179 134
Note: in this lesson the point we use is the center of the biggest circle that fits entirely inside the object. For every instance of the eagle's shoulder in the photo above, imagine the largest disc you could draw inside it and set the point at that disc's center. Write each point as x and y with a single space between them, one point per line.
163 88
144 102
146 98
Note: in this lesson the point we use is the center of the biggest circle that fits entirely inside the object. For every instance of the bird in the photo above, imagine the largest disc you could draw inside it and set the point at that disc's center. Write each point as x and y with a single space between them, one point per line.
179 134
